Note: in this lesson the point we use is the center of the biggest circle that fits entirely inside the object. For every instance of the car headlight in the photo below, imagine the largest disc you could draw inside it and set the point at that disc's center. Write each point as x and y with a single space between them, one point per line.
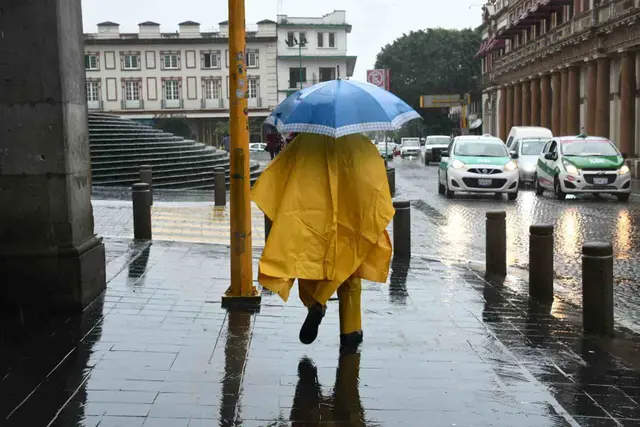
623 170
570 168
510 166
457 164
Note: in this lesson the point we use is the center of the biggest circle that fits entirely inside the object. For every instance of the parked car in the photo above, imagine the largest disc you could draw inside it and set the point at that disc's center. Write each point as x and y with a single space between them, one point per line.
582 164
434 146
386 149
257 146
520 132
478 164
410 147
526 152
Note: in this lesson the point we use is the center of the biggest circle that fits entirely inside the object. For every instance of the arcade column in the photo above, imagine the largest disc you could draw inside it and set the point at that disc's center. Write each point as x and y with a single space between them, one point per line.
50 257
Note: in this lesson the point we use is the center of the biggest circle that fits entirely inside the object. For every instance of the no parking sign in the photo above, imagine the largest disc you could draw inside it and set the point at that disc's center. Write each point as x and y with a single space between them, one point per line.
379 78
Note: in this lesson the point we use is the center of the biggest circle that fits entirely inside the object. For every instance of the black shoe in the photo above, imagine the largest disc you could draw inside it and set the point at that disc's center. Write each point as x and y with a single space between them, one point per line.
309 330
350 342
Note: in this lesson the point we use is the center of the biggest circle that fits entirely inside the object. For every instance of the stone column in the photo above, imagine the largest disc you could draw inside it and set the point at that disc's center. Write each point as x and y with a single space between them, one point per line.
564 100
502 114
556 103
573 102
592 79
526 103
50 258
628 104
603 98
535 102
509 118
545 101
517 104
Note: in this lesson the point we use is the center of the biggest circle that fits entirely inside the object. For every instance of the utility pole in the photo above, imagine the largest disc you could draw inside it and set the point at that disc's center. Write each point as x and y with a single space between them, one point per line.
241 292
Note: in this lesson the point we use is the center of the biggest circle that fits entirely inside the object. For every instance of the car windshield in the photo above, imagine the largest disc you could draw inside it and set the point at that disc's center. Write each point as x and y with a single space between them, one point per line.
588 148
532 147
480 148
411 143
438 141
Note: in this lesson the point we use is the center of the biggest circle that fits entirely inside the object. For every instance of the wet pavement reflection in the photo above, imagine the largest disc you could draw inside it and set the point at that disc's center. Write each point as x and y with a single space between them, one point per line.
455 229
442 347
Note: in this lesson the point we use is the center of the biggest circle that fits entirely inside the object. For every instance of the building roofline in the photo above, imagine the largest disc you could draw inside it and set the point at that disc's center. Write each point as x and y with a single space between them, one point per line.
266 21
108 24
206 38
149 24
189 23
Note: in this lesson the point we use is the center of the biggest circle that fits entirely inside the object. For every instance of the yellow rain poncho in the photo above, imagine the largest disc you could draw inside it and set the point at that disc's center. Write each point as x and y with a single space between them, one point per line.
330 204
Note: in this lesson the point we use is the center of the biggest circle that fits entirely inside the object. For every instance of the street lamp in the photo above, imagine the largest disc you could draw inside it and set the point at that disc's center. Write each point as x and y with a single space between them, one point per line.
302 43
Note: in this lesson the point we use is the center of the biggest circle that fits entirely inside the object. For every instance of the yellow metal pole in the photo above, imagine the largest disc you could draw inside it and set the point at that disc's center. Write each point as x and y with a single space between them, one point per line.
241 292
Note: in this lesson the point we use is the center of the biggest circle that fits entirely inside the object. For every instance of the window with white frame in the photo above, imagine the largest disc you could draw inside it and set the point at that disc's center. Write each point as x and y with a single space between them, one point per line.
93 91
131 61
172 90
211 60
253 87
253 58
320 39
302 38
291 36
132 90
212 89
171 61
91 62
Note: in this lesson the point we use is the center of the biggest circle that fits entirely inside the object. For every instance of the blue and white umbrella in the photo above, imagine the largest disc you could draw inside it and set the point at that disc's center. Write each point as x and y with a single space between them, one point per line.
341 107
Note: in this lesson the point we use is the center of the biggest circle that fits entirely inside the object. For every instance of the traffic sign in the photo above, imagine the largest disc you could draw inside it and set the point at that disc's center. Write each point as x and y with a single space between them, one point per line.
379 78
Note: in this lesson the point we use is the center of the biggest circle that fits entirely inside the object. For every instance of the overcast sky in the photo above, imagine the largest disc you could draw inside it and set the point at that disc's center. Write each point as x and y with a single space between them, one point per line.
375 22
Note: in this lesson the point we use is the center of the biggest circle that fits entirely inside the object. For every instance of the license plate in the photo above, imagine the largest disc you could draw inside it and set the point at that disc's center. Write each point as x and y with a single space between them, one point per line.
484 182
600 181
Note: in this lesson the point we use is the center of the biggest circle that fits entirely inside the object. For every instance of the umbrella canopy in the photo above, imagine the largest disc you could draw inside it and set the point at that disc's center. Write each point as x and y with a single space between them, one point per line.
341 107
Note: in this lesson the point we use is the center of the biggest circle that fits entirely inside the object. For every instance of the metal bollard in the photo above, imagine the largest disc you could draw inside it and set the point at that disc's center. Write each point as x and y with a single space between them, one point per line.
391 177
267 227
597 288
541 262
141 197
402 229
496 242
220 187
636 169
146 176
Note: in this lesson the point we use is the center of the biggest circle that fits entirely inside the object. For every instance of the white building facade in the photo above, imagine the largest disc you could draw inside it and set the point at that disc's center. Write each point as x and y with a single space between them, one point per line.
151 74
312 50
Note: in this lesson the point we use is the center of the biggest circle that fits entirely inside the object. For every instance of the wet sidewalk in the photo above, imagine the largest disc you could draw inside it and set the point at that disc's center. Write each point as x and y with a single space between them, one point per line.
442 347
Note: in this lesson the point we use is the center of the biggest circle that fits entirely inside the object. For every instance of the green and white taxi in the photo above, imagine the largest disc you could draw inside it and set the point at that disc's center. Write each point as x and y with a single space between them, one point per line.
478 164
582 164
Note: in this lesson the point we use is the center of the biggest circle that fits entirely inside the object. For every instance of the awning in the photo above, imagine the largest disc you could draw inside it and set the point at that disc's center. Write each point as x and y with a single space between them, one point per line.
481 50
495 44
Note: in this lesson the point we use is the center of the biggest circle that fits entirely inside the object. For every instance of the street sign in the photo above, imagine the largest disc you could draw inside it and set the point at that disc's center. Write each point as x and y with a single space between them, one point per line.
380 78
442 101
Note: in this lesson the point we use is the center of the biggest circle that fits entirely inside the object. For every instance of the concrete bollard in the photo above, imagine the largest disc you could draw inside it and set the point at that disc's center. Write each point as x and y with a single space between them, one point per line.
146 176
391 177
267 227
496 242
636 169
141 197
220 187
541 262
402 229
597 288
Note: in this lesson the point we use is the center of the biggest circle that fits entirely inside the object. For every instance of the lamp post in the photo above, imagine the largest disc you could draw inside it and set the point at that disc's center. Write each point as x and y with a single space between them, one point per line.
300 43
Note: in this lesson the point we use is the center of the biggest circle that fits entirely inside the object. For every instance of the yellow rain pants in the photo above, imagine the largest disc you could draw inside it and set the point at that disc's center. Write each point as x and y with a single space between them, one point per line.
330 204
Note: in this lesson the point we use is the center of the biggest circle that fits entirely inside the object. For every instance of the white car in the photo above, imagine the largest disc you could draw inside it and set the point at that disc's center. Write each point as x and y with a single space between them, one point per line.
582 164
257 146
410 147
478 164
434 146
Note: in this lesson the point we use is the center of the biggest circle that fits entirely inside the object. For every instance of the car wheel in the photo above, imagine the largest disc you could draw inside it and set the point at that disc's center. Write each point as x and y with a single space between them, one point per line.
539 189
512 196
441 188
447 192
557 190
426 161
623 197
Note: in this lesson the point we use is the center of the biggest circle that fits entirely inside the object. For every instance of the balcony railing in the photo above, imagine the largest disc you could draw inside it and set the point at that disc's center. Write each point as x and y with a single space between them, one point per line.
132 104
211 104
172 104
255 102
95 105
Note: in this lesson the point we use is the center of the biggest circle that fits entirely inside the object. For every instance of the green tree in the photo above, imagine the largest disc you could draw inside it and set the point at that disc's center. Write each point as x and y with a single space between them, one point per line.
431 62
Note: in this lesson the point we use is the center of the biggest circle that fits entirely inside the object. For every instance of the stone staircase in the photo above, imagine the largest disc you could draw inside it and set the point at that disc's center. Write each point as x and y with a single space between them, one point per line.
120 146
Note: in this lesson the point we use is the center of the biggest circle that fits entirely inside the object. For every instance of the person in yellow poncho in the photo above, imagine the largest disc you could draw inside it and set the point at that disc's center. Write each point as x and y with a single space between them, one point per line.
329 203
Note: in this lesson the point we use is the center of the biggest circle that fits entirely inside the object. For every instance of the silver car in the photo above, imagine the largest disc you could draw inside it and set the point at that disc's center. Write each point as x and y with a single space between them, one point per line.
526 152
